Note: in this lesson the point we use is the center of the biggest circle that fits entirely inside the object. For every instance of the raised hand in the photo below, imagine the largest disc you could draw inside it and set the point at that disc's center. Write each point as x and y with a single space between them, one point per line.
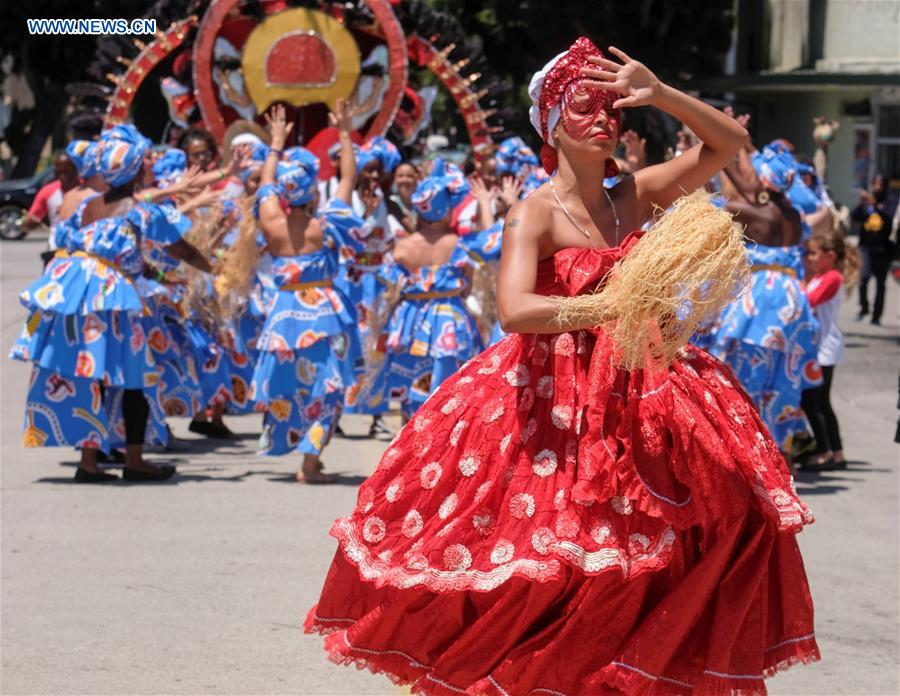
187 182
481 192
630 78
510 190
278 127
341 118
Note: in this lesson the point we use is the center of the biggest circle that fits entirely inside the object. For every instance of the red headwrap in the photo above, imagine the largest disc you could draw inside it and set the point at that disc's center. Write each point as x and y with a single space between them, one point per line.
548 87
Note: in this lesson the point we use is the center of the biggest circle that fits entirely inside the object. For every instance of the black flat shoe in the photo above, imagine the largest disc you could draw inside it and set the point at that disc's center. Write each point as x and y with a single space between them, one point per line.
220 432
200 427
830 465
164 473
84 476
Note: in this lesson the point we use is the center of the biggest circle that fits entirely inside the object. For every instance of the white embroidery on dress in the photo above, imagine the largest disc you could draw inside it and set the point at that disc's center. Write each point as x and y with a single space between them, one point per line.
457 557
483 521
544 462
482 491
451 405
561 417
529 430
448 506
542 540
521 506
567 525
621 504
374 530
544 388
457 432
503 552
394 490
431 474
469 464
518 376
412 524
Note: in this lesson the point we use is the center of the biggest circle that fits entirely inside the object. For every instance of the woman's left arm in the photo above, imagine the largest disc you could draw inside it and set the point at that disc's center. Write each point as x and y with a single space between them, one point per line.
721 136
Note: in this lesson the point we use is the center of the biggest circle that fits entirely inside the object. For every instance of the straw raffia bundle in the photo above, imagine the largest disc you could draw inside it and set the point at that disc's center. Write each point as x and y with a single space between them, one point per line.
198 301
484 288
684 270
238 266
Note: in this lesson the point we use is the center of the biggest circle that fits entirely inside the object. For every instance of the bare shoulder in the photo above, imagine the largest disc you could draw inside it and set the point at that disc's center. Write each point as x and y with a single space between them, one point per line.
530 217
403 248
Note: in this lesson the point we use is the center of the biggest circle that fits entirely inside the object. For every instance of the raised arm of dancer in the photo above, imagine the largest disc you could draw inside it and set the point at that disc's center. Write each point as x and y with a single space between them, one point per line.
201 200
186 184
272 219
720 135
342 121
484 197
218 174
521 309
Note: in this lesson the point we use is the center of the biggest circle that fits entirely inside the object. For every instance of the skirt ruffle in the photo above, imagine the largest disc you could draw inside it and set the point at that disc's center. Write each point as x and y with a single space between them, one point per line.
76 286
549 521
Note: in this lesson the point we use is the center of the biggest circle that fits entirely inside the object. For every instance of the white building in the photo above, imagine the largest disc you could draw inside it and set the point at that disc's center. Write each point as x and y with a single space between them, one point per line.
794 60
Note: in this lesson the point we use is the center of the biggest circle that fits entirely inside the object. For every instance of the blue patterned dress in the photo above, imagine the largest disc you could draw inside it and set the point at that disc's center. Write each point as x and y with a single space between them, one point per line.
309 351
768 339
484 247
359 281
242 333
430 332
86 332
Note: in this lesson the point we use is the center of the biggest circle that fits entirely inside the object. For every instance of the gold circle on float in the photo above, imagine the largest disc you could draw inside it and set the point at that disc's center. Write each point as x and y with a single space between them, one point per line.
300 22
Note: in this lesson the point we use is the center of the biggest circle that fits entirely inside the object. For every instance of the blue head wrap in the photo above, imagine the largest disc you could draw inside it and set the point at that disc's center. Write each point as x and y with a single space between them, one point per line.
83 154
802 197
121 154
534 181
296 175
170 166
385 152
441 191
513 156
776 167
363 156
256 160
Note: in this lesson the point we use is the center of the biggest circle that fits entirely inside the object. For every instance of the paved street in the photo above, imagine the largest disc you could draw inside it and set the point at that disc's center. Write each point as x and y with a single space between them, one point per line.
199 586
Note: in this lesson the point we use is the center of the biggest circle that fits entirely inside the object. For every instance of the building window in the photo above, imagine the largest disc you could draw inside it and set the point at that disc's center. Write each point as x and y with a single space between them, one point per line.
887 143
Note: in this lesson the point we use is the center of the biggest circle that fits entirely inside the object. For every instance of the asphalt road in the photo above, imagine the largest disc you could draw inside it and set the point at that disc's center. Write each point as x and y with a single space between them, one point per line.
199 586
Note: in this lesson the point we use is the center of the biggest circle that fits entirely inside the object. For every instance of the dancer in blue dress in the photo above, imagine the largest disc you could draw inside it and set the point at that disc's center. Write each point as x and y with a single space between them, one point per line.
429 332
86 334
768 336
359 280
309 351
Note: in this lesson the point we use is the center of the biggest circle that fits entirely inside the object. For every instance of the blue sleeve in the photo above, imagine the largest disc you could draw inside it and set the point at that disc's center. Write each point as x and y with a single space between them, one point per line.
484 247
262 193
160 225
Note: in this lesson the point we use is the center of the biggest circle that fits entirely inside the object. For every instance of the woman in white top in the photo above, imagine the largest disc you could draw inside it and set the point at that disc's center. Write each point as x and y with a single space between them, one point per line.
834 265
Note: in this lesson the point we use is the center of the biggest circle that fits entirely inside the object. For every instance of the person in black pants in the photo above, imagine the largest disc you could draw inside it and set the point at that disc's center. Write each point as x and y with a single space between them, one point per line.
816 403
873 215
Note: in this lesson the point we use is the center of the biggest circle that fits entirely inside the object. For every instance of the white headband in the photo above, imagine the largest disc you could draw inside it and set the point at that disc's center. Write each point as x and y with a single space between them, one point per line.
535 87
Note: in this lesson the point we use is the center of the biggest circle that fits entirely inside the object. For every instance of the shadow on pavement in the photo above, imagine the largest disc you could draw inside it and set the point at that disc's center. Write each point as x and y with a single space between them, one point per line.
342 480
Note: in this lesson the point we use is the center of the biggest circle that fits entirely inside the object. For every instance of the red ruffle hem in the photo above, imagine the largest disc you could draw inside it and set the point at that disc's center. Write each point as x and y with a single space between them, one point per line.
549 524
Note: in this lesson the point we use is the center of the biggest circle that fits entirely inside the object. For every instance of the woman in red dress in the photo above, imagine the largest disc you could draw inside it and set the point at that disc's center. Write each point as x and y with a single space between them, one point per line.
550 522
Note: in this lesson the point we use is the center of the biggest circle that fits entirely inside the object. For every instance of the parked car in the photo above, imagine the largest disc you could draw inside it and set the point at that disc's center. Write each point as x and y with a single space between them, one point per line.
16 196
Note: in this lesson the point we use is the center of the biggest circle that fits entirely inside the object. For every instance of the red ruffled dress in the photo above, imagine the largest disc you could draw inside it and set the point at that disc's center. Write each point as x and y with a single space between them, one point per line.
550 524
